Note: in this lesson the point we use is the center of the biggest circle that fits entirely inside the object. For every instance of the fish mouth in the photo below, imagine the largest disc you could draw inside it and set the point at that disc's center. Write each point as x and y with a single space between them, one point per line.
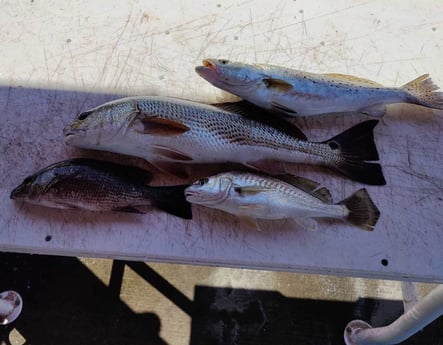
202 199
14 194
208 64
17 193
70 134
195 197
208 67
190 193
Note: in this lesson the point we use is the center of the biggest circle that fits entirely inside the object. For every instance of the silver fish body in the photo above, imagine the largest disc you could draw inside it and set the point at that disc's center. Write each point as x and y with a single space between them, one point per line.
166 131
251 197
100 186
299 93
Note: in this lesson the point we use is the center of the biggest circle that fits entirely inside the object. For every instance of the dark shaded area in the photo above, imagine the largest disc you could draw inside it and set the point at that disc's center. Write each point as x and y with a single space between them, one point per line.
65 303
250 317
236 316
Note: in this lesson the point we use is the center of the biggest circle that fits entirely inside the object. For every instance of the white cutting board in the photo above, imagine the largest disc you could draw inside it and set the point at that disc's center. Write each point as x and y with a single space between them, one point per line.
60 58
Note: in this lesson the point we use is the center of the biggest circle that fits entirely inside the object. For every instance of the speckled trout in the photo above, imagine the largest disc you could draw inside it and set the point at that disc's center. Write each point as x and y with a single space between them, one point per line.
251 197
169 131
297 93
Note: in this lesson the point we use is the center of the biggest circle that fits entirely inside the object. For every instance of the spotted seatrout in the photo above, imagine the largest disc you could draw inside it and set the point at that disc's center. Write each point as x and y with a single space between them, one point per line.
251 197
298 93
167 131
100 186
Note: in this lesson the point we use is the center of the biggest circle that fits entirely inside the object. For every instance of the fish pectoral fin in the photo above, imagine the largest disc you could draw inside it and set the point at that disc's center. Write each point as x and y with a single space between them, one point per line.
306 223
268 166
250 190
171 168
251 111
279 84
283 109
154 125
250 222
67 206
377 110
170 153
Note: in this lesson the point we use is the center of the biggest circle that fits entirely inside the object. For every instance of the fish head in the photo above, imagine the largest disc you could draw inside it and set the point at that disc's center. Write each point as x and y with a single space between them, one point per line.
46 186
99 126
209 191
33 187
235 77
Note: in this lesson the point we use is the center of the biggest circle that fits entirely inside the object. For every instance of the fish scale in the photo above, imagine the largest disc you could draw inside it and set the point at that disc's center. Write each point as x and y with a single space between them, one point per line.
298 93
168 132
233 129
252 197
99 186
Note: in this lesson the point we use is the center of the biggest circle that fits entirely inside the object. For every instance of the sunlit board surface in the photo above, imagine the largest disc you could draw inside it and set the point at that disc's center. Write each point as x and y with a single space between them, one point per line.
60 59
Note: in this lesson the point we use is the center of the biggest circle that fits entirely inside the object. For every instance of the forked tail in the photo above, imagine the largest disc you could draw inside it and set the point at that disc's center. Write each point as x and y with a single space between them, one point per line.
422 91
356 146
362 210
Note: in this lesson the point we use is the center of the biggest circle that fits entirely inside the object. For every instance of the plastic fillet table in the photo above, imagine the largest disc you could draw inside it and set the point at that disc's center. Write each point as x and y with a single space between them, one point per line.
60 59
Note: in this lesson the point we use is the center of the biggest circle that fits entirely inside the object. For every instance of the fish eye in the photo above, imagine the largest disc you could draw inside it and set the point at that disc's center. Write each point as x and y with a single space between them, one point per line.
83 115
223 62
266 82
333 145
202 181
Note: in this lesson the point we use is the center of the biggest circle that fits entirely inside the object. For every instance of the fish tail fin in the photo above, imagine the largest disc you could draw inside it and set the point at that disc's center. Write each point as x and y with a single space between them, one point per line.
356 145
422 91
362 210
173 201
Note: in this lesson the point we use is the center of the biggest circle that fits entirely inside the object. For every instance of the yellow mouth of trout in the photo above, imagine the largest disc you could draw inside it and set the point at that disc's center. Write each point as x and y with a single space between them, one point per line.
210 65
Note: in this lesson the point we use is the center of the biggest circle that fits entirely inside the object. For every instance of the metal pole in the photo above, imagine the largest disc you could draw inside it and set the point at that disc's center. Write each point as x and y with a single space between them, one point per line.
11 305
5 307
358 332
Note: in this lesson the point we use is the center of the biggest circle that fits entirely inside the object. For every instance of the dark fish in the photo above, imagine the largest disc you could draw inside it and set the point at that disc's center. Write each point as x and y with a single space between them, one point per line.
100 186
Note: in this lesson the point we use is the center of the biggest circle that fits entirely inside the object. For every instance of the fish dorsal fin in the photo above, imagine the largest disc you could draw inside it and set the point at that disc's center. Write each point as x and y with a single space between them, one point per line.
159 126
279 84
243 108
353 79
263 116
134 173
311 187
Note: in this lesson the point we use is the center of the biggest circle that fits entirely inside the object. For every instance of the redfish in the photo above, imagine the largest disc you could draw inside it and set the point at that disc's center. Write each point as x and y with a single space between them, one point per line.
170 132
